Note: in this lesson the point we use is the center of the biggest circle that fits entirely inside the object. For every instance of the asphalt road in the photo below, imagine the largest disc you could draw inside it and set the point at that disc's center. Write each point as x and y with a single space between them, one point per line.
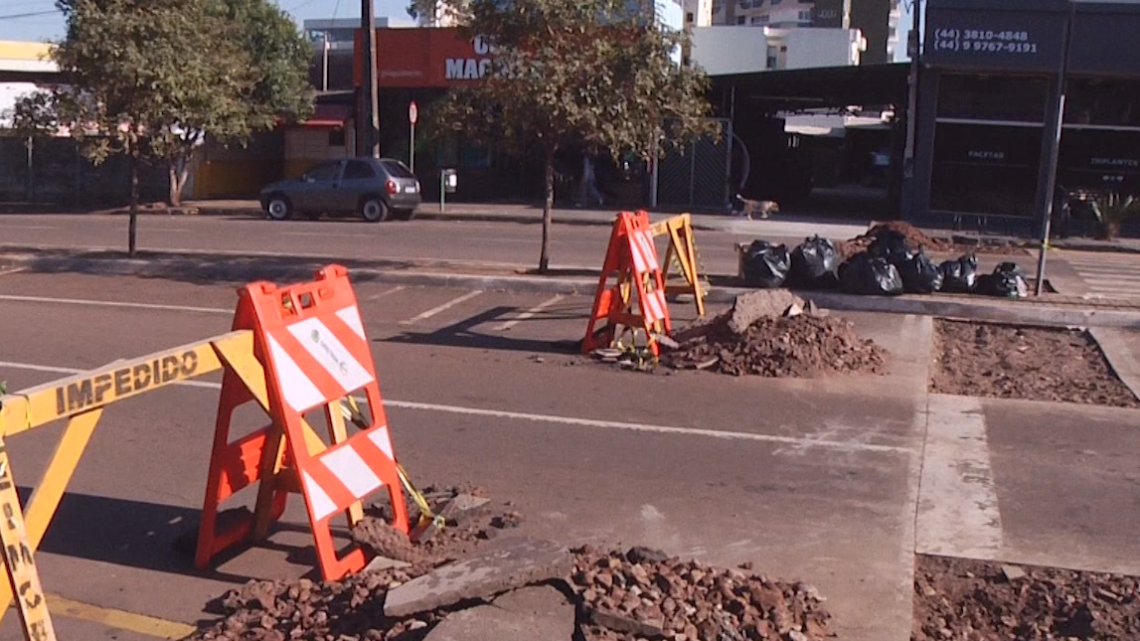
489 243
837 482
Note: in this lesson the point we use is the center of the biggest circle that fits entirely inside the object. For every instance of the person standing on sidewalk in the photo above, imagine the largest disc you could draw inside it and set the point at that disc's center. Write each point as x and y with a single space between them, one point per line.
588 187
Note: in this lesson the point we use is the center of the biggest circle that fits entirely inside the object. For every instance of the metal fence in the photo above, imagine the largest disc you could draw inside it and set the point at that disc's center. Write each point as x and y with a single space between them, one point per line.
700 176
53 170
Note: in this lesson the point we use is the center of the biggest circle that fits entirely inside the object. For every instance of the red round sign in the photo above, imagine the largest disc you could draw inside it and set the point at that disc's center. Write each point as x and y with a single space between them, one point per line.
413 113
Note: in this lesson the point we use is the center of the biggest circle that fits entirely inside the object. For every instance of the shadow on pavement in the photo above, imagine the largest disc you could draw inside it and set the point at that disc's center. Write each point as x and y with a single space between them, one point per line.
151 536
461 334
206 269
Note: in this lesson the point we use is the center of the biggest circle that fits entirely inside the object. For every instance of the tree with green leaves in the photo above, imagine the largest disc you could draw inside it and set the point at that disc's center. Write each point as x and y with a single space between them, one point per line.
151 78
594 74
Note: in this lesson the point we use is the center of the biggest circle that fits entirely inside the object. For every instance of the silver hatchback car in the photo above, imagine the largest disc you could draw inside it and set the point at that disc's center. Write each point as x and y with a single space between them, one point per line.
375 188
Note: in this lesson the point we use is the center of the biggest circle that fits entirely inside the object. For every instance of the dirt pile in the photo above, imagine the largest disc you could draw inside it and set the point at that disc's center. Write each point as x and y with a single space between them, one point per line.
962 600
1032 363
754 338
618 596
915 239
645 594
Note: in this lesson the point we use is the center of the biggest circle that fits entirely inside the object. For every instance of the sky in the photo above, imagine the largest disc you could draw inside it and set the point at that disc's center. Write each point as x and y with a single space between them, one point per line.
38 20
47 23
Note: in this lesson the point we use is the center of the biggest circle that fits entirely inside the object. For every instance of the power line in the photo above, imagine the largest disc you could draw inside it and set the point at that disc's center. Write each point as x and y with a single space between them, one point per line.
33 14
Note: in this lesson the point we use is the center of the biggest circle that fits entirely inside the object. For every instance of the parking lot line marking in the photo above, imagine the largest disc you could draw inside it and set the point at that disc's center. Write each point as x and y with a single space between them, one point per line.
800 443
115 303
442 308
958 511
643 427
14 270
397 288
119 619
319 234
529 314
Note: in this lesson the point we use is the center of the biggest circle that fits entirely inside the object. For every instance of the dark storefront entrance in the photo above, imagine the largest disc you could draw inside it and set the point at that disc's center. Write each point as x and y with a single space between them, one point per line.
991 70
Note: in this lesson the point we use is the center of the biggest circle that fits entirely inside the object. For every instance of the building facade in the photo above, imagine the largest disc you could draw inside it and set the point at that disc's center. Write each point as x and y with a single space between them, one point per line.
989 89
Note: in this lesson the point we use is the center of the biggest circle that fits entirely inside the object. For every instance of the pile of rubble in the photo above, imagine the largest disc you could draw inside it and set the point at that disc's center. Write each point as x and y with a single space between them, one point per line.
965 599
773 333
516 589
643 593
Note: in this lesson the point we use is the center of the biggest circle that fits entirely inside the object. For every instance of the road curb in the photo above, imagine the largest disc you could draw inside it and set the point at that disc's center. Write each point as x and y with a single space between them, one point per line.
535 218
279 269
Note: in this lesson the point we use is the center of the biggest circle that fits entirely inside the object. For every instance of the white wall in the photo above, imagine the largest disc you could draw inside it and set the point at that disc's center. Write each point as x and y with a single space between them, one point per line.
728 50
809 48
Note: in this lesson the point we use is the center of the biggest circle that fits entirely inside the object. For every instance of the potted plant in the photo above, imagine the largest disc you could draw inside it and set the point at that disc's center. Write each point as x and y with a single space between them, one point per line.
1112 210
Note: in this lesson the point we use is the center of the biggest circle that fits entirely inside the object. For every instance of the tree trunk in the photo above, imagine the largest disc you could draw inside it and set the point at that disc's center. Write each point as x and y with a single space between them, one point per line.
132 229
547 213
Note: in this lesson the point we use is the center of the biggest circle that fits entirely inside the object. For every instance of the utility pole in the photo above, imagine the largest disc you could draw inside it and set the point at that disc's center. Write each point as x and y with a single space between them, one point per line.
370 118
914 48
1051 151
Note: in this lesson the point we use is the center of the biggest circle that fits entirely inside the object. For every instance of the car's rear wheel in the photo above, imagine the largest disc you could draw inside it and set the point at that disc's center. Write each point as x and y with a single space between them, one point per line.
278 207
405 214
374 210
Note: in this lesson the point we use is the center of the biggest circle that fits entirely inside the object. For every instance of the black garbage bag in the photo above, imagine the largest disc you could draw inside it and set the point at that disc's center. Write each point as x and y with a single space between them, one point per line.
891 246
960 276
1007 281
868 276
815 264
920 275
766 265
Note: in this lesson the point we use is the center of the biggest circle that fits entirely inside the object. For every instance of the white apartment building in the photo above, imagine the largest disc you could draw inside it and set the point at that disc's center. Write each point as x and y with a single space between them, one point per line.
780 14
878 20
698 13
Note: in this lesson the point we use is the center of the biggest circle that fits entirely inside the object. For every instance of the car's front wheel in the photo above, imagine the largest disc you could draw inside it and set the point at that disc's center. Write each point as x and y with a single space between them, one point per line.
278 207
374 210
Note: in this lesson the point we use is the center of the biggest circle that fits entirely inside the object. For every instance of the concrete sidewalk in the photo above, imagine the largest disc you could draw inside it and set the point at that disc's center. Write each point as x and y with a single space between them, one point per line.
790 226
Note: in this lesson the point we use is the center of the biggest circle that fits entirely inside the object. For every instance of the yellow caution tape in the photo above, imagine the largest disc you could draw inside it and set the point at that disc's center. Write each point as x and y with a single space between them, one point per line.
354 414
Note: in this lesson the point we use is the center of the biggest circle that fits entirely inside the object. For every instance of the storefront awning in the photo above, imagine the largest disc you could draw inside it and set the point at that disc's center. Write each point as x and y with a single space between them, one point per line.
328 116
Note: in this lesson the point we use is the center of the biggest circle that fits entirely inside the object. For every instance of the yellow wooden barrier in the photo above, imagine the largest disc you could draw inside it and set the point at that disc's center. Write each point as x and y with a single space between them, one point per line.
80 400
681 250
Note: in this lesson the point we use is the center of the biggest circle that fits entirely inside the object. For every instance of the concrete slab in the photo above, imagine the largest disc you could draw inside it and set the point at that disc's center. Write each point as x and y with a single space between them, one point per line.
1066 480
528 614
1122 349
509 564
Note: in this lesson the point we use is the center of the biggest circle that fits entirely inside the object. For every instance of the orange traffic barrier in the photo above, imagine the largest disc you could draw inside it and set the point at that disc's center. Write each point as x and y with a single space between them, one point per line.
311 342
636 301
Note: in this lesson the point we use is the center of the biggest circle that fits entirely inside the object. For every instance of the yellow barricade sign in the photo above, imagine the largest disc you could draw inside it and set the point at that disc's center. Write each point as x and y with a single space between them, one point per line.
80 400
23 579
683 253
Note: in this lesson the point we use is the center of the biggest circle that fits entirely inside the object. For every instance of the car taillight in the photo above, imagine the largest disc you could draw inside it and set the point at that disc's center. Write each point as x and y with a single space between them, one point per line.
392 188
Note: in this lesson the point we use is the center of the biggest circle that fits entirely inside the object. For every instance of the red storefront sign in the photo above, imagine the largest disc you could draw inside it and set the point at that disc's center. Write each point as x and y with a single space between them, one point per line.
424 58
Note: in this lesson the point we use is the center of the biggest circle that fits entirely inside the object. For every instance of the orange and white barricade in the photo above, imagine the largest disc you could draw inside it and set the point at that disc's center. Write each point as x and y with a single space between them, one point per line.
311 341
636 301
